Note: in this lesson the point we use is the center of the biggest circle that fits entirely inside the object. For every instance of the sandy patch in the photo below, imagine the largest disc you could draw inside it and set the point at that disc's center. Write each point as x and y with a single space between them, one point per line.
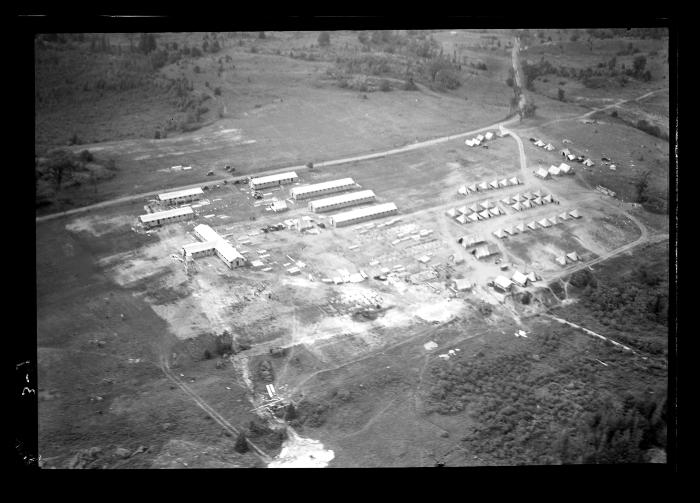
300 452
98 226
440 311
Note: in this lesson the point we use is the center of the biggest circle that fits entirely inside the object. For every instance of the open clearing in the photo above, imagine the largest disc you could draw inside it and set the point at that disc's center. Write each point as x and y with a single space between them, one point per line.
360 328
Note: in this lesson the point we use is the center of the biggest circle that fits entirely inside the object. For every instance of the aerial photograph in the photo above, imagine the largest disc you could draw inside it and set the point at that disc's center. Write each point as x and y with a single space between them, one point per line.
354 248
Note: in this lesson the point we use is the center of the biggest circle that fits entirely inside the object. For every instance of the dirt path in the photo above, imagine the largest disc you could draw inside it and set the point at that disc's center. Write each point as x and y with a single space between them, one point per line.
165 367
589 332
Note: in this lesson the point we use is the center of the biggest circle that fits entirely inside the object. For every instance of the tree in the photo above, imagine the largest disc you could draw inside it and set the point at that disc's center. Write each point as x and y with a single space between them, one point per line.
324 39
641 185
612 63
241 444
561 94
529 110
147 43
638 64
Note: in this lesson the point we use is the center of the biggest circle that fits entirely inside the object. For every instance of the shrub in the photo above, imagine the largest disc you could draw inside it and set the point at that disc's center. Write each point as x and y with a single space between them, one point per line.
410 85
157 135
561 95
86 156
385 85
195 52
217 91
447 79
324 39
241 444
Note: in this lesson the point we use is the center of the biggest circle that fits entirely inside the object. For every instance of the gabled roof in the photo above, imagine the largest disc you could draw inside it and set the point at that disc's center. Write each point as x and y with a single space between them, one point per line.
493 184
483 186
519 278
564 216
502 282
495 211
521 227
544 222
462 219
473 217
503 183
517 207
564 168
468 143
548 199
575 214
573 256
468 241
566 151
480 137
542 173
499 233
532 225
527 204
463 209
514 181
553 170
463 190
485 214
537 201
571 157
451 213
532 276
561 260
474 208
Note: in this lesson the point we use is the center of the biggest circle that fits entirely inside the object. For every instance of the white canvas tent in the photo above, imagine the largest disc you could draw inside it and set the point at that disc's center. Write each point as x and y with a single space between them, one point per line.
514 181
527 204
463 209
502 283
539 143
483 186
474 208
506 200
532 277
561 260
564 216
472 187
588 163
537 193
468 143
573 256
565 168
519 279
510 230
542 173
493 184
527 195
517 207
480 137
463 190
537 201
503 183
548 199
495 211
486 204
462 219
553 170
452 213
571 157
474 217
521 227
553 220
485 214
532 225
488 135
549 147
544 223
517 197
499 233
575 214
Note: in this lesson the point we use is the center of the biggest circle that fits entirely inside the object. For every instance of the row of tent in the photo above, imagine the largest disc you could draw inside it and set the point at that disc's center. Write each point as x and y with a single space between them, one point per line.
526 204
492 185
578 158
478 140
569 257
539 143
466 214
518 278
544 223
562 169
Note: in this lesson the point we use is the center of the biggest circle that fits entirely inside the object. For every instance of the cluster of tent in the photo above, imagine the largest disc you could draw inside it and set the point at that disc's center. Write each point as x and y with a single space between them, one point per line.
569 257
481 211
492 185
544 223
520 202
562 169
478 140
578 158
539 143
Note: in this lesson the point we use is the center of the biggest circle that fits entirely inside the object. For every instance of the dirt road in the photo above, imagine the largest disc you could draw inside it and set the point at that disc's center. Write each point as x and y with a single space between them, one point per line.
165 367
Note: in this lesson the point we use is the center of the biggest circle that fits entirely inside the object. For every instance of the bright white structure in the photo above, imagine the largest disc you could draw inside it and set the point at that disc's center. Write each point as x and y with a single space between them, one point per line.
519 279
542 173
554 170
565 169
166 217
213 243
278 206
362 214
342 201
319 189
273 180
502 283
488 135
181 196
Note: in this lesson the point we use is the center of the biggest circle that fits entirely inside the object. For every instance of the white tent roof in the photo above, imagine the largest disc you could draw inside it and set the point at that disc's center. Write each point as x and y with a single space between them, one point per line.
486 204
488 135
544 223
499 233
472 187
503 183
537 201
483 186
463 209
463 190
468 143
520 227
571 157
474 208
564 168
493 184
539 143
506 200
527 204
480 137
532 225
495 211
514 181
537 193
527 195
510 230
564 216
573 256
549 147
503 282
542 173
575 214
485 214
473 217
462 219
476 141
553 220
561 260
532 276
517 197
553 170
517 207
519 278
451 213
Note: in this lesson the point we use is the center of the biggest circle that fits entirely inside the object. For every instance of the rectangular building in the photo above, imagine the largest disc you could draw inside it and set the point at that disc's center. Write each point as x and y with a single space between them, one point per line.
361 214
181 196
319 189
342 201
273 180
166 217
212 243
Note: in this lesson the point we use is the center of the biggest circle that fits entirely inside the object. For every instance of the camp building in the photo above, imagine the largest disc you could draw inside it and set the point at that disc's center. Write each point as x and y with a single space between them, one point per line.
181 196
165 217
342 201
273 180
319 189
361 214
212 243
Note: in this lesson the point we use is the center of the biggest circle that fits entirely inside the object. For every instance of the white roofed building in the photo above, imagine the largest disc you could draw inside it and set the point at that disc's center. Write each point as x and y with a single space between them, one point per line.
165 217
213 243
342 201
361 214
273 180
318 189
181 196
